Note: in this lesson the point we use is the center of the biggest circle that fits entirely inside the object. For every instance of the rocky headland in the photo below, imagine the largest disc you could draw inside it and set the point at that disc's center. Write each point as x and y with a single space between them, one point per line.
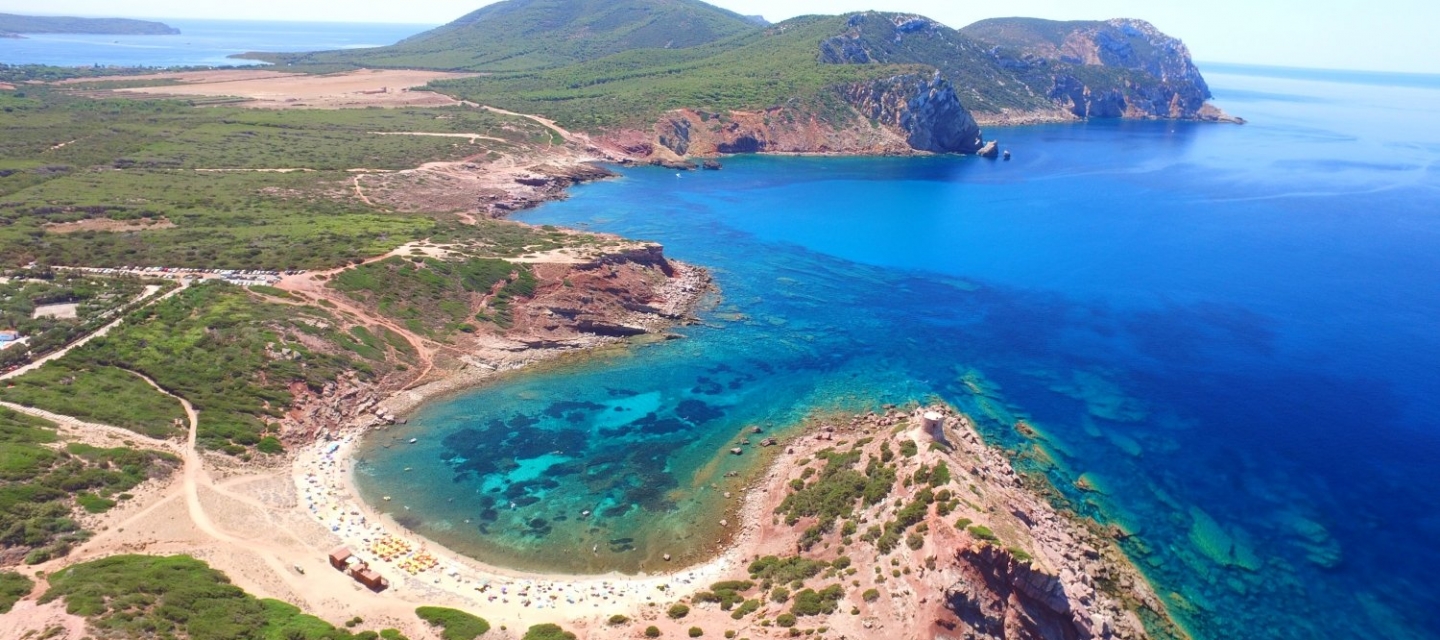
18 24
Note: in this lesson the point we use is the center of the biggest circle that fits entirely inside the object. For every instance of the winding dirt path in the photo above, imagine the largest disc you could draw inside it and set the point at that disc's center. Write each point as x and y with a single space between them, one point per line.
546 122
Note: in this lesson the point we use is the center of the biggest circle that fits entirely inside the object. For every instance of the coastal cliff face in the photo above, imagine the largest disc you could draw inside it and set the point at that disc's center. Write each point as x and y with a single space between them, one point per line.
1112 69
1001 597
1015 69
926 110
697 133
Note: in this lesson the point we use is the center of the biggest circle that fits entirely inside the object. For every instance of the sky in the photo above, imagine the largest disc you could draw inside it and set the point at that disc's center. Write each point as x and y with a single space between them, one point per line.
1371 35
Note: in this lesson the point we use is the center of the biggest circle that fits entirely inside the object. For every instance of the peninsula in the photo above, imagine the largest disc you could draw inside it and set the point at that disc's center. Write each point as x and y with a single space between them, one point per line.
222 280
14 24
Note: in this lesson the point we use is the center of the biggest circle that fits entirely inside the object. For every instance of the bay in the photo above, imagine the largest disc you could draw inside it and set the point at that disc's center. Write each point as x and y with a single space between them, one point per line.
1229 330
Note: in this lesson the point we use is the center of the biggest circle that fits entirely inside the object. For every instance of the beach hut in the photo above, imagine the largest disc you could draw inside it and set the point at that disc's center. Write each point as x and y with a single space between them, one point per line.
340 558
372 580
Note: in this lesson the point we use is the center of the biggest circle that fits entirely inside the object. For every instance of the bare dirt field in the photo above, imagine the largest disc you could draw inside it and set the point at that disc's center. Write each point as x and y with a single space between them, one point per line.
108 225
274 89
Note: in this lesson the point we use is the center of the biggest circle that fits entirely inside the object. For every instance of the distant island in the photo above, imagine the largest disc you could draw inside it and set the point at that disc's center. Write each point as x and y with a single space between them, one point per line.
12 25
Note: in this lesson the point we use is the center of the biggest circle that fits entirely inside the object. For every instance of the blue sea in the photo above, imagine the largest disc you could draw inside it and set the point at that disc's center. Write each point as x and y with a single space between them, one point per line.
1231 332
200 43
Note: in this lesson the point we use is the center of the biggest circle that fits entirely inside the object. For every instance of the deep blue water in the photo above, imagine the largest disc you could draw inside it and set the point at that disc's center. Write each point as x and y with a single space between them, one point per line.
200 43
1232 331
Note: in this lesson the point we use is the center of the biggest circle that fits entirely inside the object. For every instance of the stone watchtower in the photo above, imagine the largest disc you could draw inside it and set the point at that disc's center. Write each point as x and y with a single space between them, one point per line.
933 423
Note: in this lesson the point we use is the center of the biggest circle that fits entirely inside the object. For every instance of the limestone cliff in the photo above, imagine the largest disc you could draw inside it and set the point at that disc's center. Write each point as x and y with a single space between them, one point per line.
899 115
925 109
1017 69
1090 69
697 133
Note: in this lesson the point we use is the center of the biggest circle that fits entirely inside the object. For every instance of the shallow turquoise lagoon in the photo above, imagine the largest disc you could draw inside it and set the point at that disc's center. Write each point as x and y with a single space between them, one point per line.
1231 331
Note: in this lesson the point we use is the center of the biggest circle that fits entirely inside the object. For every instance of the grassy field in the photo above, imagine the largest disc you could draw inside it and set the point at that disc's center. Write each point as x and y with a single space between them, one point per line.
41 486
133 596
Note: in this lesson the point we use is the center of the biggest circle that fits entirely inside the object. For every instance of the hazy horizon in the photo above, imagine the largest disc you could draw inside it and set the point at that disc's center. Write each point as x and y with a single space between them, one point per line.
1282 33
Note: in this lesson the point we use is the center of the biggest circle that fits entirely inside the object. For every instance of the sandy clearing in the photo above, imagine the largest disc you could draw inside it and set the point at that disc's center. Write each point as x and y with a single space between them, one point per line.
69 310
109 226
356 89
190 77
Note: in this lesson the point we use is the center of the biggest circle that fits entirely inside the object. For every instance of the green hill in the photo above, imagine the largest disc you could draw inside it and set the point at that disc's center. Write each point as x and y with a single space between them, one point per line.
12 23
645 65
521 35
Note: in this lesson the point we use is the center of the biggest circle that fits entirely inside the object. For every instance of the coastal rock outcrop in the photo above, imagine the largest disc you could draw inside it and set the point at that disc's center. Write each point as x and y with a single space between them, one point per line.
1000 597
927 110
1120 68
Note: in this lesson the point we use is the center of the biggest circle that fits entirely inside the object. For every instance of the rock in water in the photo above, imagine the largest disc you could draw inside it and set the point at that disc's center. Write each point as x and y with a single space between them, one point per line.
990 150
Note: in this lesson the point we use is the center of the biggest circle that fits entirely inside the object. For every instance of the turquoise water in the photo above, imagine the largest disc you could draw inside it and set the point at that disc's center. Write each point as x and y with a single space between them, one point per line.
1231 331
200 43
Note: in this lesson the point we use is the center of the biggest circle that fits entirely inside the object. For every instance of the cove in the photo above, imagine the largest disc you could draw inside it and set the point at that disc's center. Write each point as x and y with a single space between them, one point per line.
1223 338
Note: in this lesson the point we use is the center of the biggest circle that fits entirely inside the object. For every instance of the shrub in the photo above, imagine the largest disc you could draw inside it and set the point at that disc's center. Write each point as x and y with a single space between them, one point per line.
785 620
812 603
618 619
678 610
750 606
696 632
908 448
652 631
456 624
779 594
982 532
914 541
270 445
870 595
13 587
547 632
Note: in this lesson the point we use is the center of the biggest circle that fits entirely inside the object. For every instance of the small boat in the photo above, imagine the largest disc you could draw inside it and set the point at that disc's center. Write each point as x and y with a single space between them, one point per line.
414 440
386 498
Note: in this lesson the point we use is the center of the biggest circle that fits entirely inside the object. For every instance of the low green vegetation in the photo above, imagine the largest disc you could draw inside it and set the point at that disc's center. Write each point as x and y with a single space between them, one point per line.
536 34
29 290
728 593
439 297
652 631
42 486
810 602
678 610
134 597
13 587
547 632
229 353
772 570
835 493
454 624
185 185
103 394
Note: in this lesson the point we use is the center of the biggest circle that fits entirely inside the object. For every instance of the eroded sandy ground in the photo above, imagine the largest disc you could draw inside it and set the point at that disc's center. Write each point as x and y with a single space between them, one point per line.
275 89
